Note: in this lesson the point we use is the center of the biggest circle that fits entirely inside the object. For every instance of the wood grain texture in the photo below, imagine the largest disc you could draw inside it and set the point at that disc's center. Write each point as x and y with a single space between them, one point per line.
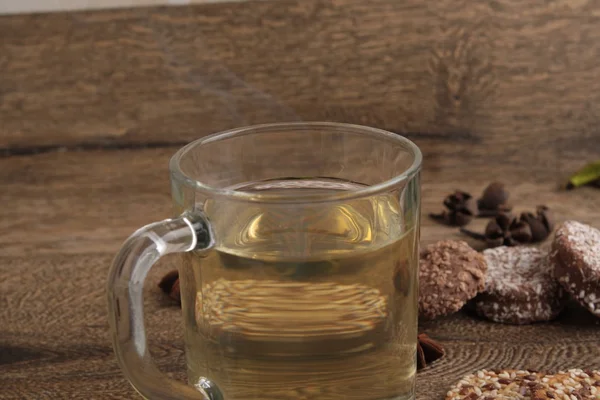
89 202
518 79
55 332
65 214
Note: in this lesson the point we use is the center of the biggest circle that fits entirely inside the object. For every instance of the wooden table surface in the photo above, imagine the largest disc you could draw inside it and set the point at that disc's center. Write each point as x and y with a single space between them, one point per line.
93 104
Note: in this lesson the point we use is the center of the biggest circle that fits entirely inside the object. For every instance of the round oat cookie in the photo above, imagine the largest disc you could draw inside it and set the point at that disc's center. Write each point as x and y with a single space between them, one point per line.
450 274
576 258
574 384
520 287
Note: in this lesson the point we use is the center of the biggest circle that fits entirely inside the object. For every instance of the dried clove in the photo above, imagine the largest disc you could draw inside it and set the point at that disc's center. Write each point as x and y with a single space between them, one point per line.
544 213
493 200
538 230
461 208
504 230
541 224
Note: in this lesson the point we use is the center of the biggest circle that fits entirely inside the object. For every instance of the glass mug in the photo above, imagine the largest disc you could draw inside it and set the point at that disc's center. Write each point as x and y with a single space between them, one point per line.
298 271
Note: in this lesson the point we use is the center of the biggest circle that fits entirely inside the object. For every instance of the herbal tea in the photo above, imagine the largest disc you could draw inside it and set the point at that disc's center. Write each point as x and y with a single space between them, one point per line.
315 301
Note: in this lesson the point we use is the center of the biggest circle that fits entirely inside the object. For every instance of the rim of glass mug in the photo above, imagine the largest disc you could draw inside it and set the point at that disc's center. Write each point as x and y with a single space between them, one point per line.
239 195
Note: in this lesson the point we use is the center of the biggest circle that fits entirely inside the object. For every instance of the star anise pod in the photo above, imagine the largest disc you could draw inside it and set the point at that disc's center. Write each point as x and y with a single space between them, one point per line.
460 209
428 350
170 285
504 230
493 200
541 224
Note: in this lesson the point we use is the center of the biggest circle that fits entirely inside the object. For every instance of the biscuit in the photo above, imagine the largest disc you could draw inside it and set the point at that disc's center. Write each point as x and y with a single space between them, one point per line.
576 258
450 274
520 287
574 384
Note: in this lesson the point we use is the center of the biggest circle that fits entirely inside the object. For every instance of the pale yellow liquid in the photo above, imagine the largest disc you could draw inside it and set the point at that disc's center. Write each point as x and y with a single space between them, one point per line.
304 302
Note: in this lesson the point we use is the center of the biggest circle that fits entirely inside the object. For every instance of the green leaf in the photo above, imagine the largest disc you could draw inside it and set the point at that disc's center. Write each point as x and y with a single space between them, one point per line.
587 174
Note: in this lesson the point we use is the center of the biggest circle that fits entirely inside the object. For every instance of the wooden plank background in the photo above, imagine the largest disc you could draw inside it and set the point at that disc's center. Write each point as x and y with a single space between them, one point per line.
518 78
92 105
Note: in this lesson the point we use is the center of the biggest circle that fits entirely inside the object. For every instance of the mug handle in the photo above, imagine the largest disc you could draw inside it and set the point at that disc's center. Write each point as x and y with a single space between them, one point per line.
125 304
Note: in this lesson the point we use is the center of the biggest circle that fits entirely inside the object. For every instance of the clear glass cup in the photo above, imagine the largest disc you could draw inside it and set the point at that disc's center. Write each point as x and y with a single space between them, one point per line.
298 272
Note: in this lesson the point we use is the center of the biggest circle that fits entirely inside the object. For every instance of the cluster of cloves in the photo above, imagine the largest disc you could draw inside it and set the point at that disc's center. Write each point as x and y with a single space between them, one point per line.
504 229
461 207
507 230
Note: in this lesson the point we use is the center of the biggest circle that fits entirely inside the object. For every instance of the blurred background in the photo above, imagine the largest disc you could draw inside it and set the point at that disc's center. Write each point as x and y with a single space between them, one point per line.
96 95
